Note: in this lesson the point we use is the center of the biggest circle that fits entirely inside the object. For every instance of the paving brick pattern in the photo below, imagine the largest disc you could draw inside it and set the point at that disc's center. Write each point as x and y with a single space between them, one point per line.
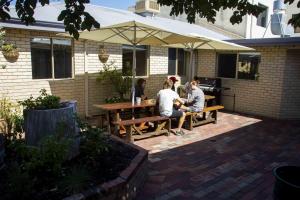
233 159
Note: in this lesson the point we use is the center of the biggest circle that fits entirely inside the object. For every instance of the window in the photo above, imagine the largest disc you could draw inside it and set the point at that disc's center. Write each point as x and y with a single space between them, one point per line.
263 16
248 66
178 61
227 65
141 60
241 66
51 58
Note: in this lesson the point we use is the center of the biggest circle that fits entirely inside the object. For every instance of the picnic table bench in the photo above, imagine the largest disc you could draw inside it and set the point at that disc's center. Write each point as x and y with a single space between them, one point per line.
195 119
162 126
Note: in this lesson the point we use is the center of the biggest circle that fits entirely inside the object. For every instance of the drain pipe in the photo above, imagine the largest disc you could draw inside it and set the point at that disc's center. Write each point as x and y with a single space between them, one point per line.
86 81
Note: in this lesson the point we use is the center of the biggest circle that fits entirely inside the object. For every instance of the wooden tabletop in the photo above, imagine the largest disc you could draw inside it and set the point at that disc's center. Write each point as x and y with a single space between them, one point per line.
128 105
209 97
125 105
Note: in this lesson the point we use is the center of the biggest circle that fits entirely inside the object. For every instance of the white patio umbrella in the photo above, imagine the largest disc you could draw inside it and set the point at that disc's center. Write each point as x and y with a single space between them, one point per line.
141 32
207 43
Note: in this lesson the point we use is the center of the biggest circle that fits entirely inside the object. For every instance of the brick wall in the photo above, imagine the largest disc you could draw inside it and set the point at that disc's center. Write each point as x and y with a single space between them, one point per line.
264 97
16 79
290 103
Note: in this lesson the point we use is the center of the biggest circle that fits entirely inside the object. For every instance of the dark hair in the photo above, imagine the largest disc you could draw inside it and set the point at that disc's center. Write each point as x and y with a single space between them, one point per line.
140 81
197 79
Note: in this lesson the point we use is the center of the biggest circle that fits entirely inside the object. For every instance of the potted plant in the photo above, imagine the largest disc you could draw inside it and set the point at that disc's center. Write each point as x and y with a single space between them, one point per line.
287 182
10 52
45 115
103 55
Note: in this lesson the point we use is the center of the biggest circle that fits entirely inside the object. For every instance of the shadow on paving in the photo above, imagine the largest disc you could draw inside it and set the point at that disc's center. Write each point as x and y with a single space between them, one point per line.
233 165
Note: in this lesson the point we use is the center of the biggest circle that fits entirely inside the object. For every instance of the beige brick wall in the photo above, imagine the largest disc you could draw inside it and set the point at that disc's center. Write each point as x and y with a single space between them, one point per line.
16 79
265 96
290 104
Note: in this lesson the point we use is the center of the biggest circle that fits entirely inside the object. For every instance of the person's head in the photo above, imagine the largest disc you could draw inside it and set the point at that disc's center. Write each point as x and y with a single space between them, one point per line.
141 82
168 84
197 79
194 85
173 79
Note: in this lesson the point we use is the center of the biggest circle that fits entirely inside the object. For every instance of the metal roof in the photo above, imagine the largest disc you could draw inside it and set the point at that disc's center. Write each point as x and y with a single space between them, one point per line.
288 41
46 20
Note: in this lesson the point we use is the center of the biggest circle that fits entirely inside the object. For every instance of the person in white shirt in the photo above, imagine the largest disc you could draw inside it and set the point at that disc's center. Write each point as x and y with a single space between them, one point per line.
166 99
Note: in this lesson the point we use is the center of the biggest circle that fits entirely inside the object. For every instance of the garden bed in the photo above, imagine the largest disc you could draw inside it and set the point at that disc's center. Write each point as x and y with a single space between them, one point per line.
116 174
126 184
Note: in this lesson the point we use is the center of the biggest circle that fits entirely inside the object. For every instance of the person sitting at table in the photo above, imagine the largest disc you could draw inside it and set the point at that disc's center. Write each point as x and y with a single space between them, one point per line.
195 102
174 80
140 88
166 98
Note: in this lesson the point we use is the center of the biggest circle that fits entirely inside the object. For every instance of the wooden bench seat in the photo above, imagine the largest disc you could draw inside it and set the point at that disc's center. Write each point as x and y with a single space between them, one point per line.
163 126
195 119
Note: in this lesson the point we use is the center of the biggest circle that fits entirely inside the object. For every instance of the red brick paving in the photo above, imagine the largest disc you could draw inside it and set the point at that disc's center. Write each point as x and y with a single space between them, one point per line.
229 160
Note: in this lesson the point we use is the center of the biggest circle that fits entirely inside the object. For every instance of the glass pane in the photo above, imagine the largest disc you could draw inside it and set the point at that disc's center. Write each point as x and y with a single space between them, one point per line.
62 50
172 61
227 65
248 66
262 17
41 58
181 71
141 60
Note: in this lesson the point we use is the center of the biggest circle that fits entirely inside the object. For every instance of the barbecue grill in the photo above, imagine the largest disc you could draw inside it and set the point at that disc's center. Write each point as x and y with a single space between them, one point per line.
212 86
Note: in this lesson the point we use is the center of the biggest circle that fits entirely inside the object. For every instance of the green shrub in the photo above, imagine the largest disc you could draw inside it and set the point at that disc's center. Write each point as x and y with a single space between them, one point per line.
119 81
36 172
42 102
10 112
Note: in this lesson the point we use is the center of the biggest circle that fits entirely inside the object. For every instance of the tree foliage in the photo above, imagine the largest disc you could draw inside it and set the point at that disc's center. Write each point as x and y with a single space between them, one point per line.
209 8
74 16
76 19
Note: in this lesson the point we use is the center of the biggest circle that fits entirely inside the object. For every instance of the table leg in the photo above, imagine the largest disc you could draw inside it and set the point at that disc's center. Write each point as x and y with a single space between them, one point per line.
117 118
108 122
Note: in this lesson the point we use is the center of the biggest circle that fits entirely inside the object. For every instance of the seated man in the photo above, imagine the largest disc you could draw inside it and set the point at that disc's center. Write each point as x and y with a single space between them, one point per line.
166 99
195 102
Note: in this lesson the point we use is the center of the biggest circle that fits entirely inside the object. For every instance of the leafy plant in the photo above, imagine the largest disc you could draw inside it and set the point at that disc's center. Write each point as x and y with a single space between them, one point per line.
94 142
8 47
120 82
10 113
42 102
42 166
75 180
113 100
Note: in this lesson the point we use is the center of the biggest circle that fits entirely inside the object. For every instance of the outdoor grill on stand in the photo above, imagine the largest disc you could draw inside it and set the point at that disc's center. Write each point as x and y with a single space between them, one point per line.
212 86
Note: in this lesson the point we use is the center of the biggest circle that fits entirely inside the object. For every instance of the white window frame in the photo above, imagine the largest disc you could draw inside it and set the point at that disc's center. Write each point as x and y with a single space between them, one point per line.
52 58
236 68
267 15
176 64
147 62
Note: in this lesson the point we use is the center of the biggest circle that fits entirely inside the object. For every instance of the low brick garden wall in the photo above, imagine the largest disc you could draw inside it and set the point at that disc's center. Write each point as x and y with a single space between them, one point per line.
124 187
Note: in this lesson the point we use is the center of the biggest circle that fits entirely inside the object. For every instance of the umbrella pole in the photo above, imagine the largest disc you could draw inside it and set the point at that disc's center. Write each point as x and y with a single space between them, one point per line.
191 65
133 70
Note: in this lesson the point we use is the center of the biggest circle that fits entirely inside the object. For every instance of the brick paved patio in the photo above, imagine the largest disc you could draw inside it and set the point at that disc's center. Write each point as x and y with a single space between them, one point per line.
229 160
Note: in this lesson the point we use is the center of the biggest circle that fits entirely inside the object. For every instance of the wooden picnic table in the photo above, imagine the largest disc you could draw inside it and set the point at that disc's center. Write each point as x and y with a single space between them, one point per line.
116 108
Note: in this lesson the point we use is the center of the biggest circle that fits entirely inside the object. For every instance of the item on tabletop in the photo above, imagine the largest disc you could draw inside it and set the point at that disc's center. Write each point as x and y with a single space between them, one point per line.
138 100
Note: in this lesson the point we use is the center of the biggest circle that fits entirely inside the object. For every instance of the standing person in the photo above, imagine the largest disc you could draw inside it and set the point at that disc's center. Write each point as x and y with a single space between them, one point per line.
174 80
195 102
166 99
140 88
